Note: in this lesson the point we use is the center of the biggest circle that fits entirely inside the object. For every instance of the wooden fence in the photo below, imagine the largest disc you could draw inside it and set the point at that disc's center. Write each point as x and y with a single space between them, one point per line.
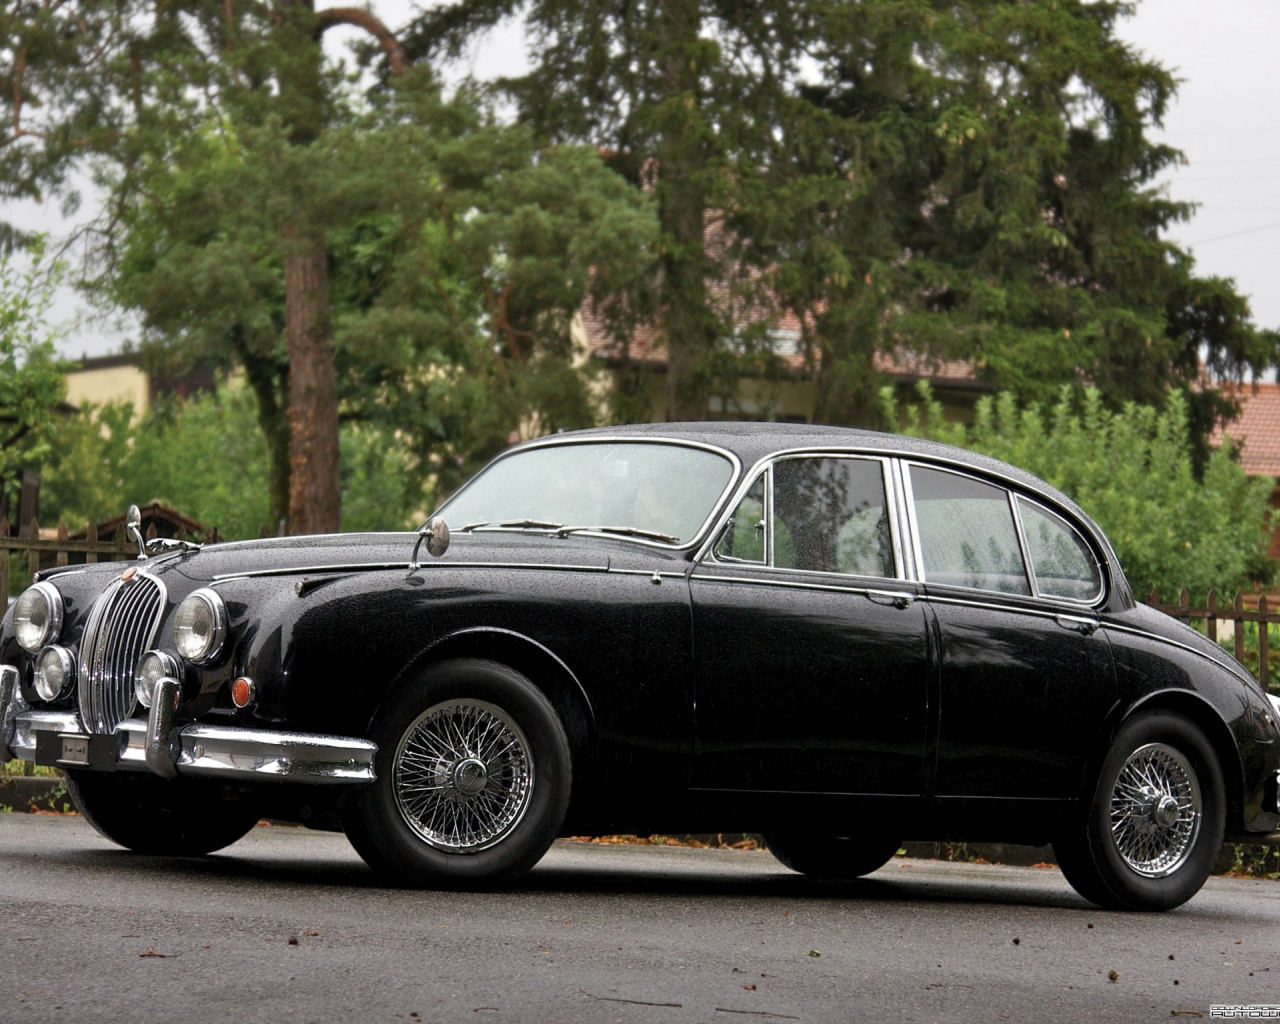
1210 617
27 554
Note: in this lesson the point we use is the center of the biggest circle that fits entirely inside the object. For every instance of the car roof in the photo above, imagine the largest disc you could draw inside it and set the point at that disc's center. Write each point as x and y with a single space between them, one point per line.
752 441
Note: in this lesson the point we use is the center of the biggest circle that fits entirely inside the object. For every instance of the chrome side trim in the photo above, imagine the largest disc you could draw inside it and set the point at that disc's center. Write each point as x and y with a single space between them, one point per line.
1070 612
1233 666
375 566
894 596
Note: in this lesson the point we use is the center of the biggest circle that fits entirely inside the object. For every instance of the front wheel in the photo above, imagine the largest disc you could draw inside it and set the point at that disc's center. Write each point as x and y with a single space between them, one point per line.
159 816
473 779
832 856
1155 824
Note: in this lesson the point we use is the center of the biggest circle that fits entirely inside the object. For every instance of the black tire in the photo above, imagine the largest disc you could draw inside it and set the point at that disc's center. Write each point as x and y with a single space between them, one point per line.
1155 820
473 779
833 856
157 816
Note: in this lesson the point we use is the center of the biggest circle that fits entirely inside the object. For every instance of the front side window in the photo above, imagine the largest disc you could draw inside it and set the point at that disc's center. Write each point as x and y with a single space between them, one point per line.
1062 562
825 514
967 533
742 539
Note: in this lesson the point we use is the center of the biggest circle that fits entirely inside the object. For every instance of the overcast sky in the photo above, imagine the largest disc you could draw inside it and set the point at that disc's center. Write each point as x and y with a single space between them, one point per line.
1226 120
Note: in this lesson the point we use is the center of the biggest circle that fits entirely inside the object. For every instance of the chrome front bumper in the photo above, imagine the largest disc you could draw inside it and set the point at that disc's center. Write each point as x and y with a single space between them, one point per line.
154 744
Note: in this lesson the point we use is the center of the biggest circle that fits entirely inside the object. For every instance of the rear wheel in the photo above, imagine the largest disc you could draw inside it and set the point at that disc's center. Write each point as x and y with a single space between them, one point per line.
157 816
832 856
1155 823
473 779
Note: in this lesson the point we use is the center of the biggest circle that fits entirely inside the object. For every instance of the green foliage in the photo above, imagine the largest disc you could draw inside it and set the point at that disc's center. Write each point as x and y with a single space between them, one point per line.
1133 471
32 378
206 458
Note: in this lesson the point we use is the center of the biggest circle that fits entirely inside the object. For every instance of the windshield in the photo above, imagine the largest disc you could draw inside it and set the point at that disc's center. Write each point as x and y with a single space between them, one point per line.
658 488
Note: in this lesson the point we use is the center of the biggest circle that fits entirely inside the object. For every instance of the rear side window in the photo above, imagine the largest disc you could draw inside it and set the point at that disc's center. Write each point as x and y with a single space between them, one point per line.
1063 564
967 533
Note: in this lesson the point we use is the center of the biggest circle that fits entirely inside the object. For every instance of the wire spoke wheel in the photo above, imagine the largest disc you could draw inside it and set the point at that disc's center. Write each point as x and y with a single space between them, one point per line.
1156 809
463 775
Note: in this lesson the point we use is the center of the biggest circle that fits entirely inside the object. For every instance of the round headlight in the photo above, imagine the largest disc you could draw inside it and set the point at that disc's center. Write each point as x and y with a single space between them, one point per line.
152 667
55 672
200 625
37 616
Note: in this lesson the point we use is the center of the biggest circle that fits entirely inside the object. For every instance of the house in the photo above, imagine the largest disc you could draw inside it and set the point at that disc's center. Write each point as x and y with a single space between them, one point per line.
793 397
1256 432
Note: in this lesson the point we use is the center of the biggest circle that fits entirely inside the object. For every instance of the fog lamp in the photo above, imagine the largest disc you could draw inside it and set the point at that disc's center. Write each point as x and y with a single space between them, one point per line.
55 672
153 667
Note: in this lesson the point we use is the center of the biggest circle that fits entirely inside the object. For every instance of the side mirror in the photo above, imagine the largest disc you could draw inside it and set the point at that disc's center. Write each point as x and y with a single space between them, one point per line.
436 535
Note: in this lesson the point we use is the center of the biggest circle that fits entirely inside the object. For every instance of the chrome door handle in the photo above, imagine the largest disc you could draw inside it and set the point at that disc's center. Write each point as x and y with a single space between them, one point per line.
1081 625
892 598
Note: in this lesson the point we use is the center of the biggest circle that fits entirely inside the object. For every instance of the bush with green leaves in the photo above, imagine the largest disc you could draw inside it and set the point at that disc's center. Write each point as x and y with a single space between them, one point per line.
32 378
206 457
1132 470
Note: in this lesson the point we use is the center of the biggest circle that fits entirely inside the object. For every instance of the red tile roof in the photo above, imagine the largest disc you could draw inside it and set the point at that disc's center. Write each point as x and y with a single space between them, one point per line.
1256 430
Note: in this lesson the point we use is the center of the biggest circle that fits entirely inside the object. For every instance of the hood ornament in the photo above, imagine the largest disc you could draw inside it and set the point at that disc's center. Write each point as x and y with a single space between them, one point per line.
133 526
436 534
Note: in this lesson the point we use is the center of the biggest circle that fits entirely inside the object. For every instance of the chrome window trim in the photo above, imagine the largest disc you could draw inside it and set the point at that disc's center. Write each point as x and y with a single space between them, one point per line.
764 467
555 441
1098 564
1012 495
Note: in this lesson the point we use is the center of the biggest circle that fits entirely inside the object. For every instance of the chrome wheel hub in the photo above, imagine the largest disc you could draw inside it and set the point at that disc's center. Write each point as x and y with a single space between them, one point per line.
1156 810
463 775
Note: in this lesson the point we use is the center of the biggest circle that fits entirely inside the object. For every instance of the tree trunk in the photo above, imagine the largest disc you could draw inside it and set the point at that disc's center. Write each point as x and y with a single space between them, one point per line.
689 326
314 495
269 380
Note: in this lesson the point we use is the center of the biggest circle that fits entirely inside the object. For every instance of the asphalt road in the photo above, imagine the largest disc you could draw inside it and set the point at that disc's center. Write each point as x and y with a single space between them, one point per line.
289 925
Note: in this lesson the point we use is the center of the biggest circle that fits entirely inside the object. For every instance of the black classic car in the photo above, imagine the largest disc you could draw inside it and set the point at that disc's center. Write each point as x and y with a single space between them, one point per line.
835 638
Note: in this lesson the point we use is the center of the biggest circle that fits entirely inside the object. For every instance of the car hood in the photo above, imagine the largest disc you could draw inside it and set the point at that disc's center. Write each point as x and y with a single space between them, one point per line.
363 552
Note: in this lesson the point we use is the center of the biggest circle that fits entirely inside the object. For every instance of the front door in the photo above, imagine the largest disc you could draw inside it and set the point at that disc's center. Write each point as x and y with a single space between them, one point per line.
811 651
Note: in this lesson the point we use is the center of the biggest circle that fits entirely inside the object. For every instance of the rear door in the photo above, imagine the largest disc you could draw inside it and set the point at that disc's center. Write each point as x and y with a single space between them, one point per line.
1026 674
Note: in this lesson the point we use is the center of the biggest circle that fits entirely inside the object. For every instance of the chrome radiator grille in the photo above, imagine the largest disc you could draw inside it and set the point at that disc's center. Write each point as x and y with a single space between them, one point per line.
122 625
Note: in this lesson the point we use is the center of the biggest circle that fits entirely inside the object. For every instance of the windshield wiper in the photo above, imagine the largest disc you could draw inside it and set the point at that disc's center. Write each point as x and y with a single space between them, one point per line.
512 524
624 531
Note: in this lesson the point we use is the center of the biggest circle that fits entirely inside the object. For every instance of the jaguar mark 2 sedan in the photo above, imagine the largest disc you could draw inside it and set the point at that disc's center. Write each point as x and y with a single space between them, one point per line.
839 639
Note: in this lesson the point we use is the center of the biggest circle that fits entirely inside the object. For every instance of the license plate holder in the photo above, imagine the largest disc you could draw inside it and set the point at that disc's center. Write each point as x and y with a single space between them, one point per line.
75 749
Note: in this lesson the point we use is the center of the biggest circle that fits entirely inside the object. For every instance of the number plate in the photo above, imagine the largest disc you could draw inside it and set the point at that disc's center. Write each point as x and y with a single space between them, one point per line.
75 749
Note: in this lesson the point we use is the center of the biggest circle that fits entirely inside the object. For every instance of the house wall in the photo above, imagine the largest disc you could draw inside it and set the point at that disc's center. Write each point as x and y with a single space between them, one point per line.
114 383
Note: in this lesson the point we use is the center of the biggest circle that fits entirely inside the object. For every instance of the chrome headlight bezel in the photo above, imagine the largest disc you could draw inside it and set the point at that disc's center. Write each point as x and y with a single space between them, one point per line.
153 666
55 673
38 601
200 626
